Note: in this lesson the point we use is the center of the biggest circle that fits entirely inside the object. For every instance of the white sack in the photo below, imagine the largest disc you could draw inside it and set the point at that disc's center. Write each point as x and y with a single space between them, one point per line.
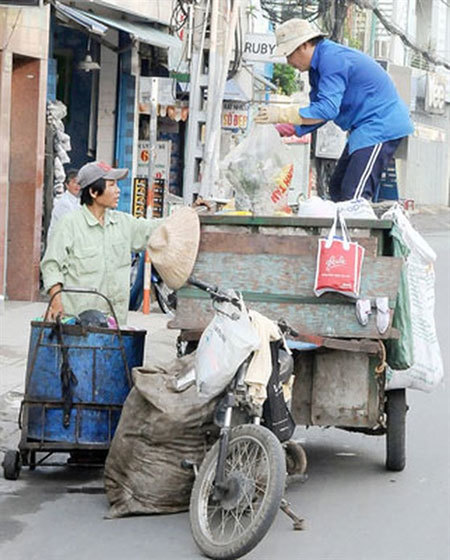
225 343
427 370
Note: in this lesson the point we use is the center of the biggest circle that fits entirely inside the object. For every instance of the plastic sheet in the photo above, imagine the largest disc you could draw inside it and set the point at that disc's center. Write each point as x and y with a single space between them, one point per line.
260 170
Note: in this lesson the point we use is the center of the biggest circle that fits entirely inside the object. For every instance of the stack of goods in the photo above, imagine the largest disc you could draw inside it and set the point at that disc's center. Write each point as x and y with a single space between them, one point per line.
56 112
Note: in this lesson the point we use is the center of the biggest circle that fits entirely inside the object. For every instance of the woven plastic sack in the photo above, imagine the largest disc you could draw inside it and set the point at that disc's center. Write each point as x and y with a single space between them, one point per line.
427 370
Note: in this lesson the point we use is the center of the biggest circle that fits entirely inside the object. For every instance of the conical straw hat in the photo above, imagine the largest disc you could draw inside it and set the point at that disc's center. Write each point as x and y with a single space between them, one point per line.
173 247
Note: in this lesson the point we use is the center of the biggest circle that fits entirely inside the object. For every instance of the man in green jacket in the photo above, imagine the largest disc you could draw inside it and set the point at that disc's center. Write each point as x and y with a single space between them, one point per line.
91 247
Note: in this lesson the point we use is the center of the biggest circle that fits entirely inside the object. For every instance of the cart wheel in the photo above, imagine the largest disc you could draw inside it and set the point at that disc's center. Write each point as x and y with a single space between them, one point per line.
296 461
12 463
396 429
32 461
24 457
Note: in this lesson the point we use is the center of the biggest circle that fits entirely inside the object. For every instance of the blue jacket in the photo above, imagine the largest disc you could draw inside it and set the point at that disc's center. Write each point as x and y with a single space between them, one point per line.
352 89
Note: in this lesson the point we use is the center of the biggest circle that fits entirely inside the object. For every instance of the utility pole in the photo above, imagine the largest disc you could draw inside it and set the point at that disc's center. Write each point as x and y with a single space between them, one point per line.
213 52
198 20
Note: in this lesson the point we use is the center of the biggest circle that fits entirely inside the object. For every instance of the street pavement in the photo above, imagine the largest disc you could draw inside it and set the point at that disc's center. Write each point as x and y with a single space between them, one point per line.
353 508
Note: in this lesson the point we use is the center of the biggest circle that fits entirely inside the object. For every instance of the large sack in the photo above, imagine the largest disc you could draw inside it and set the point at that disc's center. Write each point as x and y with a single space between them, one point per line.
427 370
160 426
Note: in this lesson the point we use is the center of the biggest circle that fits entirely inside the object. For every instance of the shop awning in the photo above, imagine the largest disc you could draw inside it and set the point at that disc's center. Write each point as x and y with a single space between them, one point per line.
68 14
142 31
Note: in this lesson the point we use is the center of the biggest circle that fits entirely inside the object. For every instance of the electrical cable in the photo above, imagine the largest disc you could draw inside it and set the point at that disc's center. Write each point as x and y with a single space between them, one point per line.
396 30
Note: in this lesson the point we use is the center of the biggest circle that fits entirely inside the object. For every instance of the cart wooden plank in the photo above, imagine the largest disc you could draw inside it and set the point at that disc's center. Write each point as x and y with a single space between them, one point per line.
290 221
330 320
282 286
289 278
254 243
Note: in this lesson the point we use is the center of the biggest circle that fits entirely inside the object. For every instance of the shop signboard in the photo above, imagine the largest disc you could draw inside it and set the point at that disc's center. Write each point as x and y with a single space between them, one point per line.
140 197
162 159
259 47
435 93
234 115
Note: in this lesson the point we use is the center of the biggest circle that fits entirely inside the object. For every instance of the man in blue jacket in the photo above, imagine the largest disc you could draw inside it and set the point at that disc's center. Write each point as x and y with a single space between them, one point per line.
351 89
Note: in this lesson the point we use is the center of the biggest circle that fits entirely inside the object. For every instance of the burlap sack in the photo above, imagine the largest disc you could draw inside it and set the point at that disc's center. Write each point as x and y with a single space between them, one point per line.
160 426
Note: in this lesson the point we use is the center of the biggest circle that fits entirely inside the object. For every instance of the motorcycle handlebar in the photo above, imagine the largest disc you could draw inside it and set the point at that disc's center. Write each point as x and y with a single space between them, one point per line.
214 291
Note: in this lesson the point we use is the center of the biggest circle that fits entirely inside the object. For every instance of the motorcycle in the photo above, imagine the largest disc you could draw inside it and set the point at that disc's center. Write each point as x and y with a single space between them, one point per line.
240 484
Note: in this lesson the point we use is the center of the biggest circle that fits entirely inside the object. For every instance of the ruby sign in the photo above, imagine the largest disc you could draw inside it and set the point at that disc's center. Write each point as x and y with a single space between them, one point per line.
259 47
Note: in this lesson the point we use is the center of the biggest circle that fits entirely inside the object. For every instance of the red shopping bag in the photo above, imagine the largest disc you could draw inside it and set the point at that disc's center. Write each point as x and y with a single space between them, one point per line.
339 263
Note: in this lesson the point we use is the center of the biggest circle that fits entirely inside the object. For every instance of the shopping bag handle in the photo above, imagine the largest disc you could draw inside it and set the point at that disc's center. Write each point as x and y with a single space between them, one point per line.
345 235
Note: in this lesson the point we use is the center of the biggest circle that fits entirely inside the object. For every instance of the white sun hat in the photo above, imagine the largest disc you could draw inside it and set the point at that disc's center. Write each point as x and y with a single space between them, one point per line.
173 247
293 33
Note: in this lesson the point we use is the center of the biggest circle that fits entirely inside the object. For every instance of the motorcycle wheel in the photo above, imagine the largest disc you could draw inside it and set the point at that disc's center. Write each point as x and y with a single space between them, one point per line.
136 282
255 472
166 298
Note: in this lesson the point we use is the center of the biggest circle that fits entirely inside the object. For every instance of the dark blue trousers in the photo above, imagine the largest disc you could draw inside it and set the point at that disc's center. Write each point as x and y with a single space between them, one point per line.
357 175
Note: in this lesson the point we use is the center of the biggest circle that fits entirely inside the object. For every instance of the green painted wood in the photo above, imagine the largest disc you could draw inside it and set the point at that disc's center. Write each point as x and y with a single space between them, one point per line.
255 243
294 221
249 297
290 275
338 320
276 274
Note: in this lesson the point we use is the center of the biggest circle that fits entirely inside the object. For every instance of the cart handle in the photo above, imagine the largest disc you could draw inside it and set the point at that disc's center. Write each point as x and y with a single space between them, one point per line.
95 292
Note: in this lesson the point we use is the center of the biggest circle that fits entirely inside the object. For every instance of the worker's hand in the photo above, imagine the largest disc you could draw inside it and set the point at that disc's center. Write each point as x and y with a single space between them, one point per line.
202 205
199 201
273 114
56 308
285 129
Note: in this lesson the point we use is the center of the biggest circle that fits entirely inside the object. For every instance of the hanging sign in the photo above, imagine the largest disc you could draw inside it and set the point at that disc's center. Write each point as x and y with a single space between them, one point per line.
259 47
435 93
140 197
162 159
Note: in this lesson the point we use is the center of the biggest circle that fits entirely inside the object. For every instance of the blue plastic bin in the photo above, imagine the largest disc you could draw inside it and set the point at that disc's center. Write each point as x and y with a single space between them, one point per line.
97 357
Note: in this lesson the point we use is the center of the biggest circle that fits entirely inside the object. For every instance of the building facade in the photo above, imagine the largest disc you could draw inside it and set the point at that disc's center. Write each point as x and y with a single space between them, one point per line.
24 36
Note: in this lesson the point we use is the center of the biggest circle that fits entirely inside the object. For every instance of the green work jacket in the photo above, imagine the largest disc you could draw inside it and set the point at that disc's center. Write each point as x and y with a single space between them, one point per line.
81 253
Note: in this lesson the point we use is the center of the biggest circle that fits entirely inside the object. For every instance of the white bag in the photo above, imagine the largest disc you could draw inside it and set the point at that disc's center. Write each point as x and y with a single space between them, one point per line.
316 207
357 209
225 343
427 370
